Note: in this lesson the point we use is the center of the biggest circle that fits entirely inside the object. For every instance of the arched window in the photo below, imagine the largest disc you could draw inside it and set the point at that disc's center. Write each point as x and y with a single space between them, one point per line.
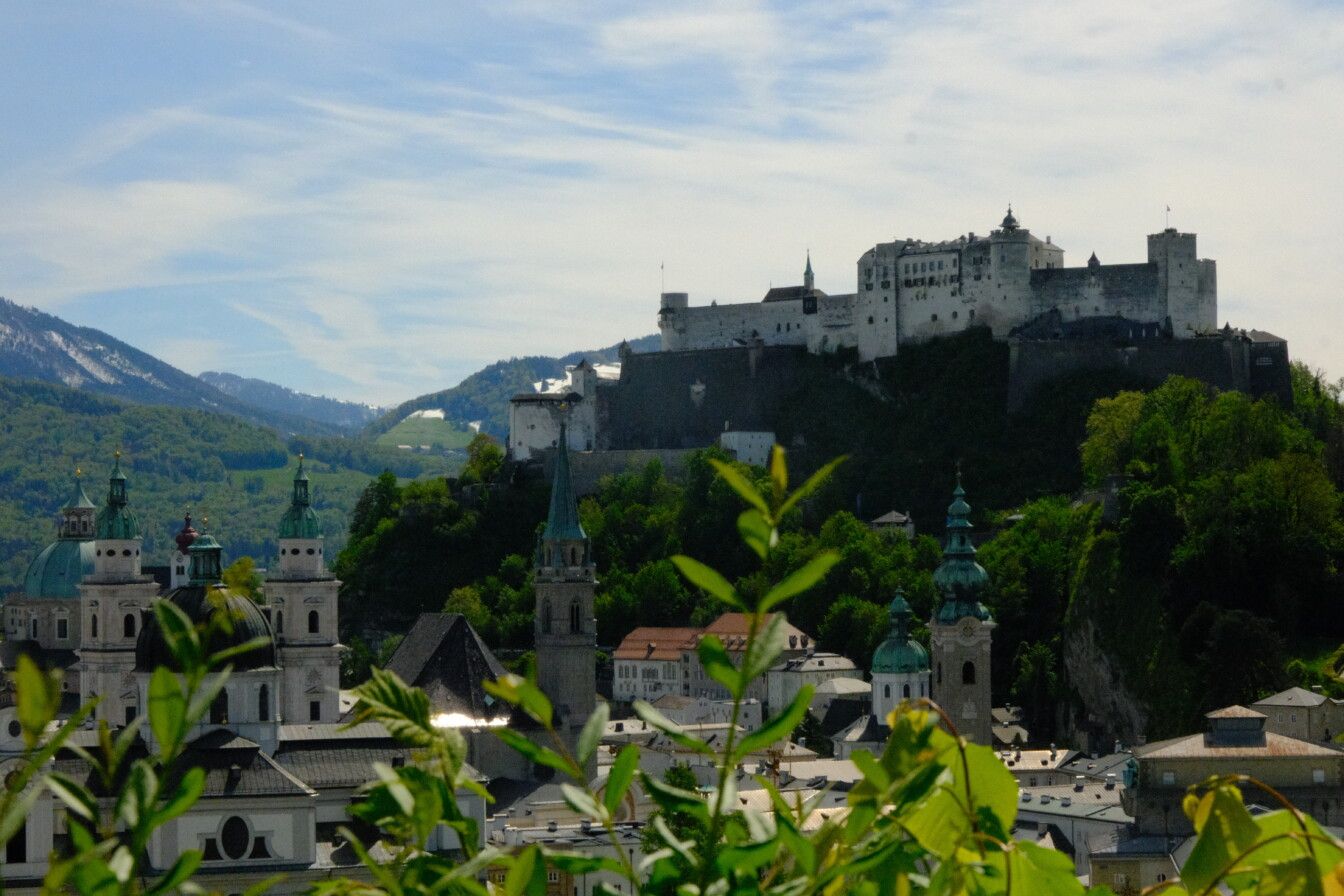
312 622
279 622
545 617
574 617
128 625
264 704
905 691
968 672
93 626
886 691
219 709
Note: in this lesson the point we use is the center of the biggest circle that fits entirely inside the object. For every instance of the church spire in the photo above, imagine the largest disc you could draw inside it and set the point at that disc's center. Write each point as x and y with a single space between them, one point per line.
300 520
116 520
562 522
959 577
807 272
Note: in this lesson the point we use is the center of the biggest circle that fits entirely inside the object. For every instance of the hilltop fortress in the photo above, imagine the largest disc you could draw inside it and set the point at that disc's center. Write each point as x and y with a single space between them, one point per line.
911 290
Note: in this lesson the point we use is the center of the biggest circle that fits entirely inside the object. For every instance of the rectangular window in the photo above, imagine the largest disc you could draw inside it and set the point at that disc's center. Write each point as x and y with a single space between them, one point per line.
62 628
1168 779
1318 776
315 710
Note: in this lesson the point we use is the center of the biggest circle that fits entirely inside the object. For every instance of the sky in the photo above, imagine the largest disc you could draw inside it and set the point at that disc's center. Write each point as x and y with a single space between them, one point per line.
372 200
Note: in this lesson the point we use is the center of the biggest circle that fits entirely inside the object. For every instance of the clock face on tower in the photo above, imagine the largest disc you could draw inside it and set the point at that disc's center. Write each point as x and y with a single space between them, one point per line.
968 629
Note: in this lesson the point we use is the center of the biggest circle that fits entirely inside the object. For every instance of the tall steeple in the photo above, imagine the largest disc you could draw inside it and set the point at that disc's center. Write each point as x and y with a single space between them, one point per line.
807 272
565 627
960 632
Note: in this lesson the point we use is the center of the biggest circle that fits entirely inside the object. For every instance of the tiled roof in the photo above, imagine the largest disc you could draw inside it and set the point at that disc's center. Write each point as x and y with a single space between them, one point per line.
1234 712
732 628
1199 746
337 765
865 730
656 643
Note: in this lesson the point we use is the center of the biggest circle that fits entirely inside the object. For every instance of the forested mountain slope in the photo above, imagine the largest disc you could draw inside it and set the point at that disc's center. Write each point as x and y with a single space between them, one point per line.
347 416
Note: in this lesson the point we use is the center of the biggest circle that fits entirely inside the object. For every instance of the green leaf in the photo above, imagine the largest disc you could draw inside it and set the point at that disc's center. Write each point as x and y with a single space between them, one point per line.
1226 830
178 873
619 778
673 799
189 790
765 649
812 484
75 795
670 728
1042 871
167 708
402 710
757 532
592 732
527 874
708 580
179 633
779 471
535 752
518 691
582 802
779 727
740 484
578 863
39 696
718 665
800 580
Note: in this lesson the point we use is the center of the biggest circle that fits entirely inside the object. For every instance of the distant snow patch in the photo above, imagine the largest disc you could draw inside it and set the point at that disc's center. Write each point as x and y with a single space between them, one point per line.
432 413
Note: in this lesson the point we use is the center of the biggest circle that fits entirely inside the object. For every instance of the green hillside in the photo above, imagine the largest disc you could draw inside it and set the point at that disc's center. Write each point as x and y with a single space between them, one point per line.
439 434
236 473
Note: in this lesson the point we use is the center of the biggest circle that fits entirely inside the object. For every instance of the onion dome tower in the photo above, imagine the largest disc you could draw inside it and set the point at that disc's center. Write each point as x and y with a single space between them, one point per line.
566 630
249 701
180 561
900 663
113 602
302 598
961 629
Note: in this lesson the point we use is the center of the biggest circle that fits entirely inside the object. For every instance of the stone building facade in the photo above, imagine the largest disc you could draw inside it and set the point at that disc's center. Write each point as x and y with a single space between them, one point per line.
912 290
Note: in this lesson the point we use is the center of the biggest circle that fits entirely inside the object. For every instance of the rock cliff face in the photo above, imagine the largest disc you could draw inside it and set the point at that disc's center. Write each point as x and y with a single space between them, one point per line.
1108 710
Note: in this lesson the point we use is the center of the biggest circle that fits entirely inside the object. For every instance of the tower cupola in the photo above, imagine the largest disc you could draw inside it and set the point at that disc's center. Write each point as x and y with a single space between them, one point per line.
1009 221
900 653
301 533
116 552
207 560
960 579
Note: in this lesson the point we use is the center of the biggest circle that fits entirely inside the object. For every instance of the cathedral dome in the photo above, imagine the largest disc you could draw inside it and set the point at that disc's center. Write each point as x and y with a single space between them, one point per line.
58 570
232 619
900 653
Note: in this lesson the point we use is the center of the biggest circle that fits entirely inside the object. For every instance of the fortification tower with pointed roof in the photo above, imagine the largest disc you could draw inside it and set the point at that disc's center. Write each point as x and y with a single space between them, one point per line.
960 632
114 599
566 629
302 594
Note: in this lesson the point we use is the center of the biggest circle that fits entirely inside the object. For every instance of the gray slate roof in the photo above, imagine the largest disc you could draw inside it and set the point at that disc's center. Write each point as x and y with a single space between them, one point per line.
443 655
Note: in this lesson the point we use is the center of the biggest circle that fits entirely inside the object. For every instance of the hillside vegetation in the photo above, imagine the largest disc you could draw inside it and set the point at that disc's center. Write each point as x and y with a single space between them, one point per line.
236 473
346 416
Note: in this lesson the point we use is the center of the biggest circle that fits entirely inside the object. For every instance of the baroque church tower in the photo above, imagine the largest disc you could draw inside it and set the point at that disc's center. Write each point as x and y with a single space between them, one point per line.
961 629
114 599
900 663
565 625
302 597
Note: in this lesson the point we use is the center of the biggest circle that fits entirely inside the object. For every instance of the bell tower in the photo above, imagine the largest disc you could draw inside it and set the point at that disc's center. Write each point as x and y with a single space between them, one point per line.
113 602
302 596
565 625
961 629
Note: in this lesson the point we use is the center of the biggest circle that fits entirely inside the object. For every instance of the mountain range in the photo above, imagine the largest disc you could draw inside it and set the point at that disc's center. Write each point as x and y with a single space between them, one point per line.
347 416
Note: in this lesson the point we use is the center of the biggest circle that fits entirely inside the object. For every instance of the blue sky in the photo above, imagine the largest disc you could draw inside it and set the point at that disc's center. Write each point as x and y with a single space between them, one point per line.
373 200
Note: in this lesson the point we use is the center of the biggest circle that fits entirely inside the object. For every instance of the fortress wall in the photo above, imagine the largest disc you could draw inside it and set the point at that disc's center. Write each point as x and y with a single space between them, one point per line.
1222 363
723 326
687 399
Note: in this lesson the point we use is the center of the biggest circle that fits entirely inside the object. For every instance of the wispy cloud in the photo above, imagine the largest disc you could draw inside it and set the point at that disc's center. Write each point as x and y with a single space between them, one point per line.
405 201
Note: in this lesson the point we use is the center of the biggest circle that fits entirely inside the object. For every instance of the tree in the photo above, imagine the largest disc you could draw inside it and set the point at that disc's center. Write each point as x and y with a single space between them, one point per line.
242 577
853 627
484 458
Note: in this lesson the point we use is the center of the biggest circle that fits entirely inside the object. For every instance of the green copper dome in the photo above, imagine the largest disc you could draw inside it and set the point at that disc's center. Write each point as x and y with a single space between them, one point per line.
58 570
300 520
116 521
959 577
900 653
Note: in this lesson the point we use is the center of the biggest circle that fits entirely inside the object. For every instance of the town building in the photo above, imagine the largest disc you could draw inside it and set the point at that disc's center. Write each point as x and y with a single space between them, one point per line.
784 680
1302 714
913 290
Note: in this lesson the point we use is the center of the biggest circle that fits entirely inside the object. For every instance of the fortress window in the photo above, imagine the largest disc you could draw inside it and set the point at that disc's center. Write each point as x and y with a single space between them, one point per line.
870 319
128 626
940 265
972 313
933 317
968 672
868 286
954 262
954 315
